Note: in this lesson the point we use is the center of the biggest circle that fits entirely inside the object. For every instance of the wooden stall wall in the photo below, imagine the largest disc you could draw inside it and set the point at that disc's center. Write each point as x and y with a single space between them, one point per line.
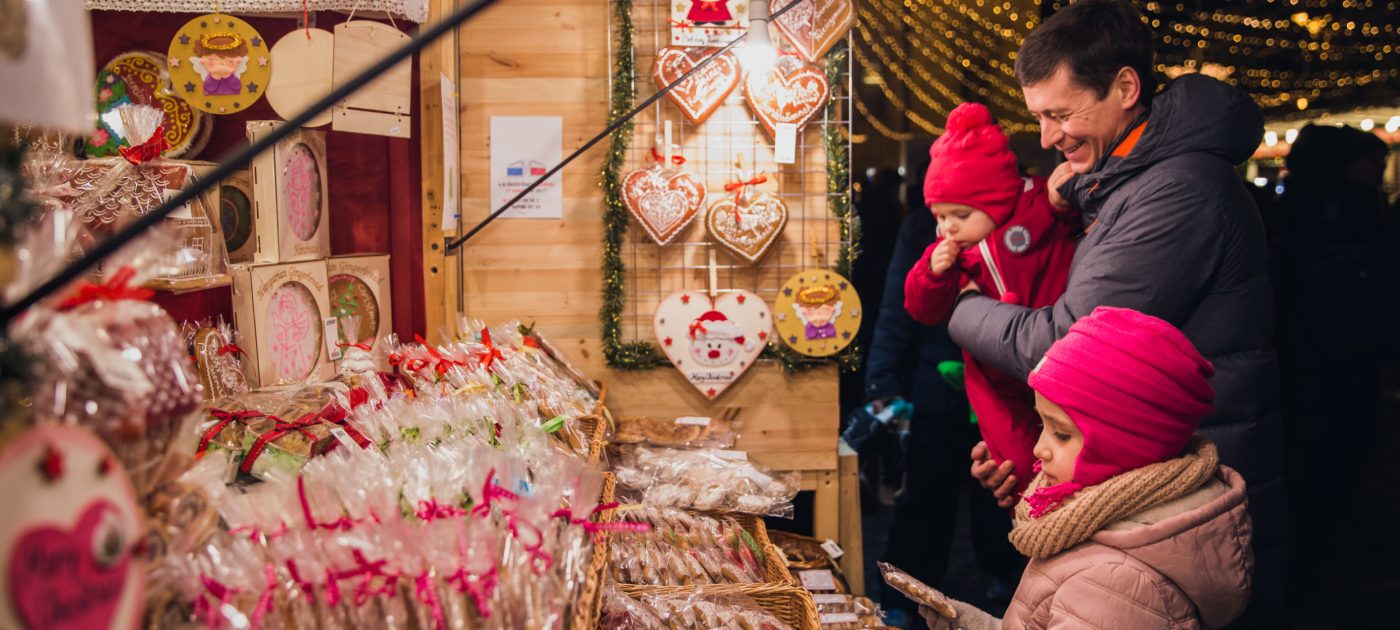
552 58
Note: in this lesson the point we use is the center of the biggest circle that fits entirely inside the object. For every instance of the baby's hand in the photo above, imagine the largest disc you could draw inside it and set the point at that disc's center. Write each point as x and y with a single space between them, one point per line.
1062 174
944 256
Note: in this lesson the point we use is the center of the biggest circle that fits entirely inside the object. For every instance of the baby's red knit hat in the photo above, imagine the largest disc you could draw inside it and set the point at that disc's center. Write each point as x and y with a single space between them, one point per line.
972 164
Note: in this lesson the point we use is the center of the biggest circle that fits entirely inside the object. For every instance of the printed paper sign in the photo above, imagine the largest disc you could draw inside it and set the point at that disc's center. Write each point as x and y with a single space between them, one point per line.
451 175
708 22
523 148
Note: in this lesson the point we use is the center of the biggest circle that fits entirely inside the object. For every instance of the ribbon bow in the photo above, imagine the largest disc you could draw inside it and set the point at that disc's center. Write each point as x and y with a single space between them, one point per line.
116 287
478 587
148 150
490 491
265 599
281 428
231 348
738 185
343 522
367 571
695 327
361 345
217 589
430 509
597 530
428 595
225 417
676 159
492 353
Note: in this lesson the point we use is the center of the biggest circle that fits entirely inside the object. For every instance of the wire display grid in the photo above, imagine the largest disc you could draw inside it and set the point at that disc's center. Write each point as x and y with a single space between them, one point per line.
812 236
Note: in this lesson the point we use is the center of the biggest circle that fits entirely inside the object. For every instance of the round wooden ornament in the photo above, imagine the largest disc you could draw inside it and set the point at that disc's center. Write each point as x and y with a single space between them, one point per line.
817 313
220 64
302 72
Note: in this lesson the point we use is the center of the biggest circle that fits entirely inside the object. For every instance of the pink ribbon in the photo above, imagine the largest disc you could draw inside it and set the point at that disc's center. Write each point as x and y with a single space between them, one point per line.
306 587
490 491
538 556
367 571
428 595
597 530
217 589
430 510
343 522
265 600
479 587
332 589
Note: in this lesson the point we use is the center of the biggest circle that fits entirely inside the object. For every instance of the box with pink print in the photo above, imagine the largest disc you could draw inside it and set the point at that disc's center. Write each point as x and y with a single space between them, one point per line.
291 207
280 310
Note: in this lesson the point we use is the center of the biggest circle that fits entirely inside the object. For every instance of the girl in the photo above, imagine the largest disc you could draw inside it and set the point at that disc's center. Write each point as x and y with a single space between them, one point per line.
1130 522
1002 232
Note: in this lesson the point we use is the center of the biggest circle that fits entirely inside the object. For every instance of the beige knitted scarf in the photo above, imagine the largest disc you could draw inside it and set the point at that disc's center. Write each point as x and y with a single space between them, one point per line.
1090 509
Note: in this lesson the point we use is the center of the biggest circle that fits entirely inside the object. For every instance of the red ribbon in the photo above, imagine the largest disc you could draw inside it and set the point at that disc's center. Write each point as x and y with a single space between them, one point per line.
737 187
254 534
597 530
230 348
490 491
265 599
224 417
540 559
428 595
217 589
332 589
709 5
431 510
335 414
306 587
148 150
363 346
478 587
280 429
115 288
368 571
491 353
697 326
676 159
343 522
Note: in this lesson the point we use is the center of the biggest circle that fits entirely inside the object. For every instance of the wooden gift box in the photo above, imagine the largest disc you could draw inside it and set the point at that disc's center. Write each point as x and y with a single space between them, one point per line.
291 204
359 287
280 311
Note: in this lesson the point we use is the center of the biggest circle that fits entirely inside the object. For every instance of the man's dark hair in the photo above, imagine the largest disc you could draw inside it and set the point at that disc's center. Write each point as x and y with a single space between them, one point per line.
1094 39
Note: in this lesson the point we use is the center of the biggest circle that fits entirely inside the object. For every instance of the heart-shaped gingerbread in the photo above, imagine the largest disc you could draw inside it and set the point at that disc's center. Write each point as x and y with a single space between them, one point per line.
792 91
712 342
86 567
749 226
663 201
699 95
814 26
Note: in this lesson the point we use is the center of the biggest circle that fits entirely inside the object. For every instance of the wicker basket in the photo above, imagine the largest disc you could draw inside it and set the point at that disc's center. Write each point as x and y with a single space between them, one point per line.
590 599
595 427
773 564
791 605
811 548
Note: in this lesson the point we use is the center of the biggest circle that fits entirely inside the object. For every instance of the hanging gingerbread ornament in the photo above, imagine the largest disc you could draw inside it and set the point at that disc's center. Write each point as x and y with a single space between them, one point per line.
663 198
140 77
745 223
817 313
220 64
791 92
301 73
712 341
814 26
699 95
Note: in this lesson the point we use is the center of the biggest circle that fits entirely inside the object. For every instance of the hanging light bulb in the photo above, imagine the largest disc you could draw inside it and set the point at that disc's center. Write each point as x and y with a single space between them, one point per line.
1368 124
758 53
1290 136
1270 138
1393 124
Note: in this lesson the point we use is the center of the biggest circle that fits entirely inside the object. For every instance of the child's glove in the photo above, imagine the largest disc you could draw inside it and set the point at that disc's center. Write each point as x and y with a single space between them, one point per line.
952 373
969 618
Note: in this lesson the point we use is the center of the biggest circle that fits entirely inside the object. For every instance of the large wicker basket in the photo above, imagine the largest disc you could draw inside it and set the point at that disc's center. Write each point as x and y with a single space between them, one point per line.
590 598
790 604
774 567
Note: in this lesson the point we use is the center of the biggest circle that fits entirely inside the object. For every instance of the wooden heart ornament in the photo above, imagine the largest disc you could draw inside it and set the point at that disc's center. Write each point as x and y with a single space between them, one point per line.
814 26
702 93
712 342
664 201
792 91
747 226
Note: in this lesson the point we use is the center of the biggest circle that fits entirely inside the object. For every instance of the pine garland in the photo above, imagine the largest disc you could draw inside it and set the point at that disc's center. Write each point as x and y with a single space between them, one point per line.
644 355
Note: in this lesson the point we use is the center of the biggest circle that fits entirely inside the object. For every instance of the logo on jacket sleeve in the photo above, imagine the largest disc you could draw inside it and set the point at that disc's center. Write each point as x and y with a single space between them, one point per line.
1017 239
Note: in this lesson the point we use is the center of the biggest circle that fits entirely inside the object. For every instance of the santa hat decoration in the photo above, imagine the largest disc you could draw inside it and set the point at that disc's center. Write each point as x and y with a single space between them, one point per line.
715 325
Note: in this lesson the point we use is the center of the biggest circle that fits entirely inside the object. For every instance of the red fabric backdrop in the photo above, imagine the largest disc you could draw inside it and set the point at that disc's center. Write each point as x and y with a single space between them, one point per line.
375 182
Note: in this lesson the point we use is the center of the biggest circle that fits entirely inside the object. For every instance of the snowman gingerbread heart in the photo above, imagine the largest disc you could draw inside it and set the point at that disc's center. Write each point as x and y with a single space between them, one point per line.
712 341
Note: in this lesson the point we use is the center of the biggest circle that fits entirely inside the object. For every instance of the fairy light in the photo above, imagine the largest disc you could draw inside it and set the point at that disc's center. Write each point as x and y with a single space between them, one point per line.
1270 137
1368 124
1392 125
1290 135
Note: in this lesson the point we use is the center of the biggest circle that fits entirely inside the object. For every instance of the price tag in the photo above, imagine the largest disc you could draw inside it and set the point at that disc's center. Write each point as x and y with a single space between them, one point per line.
332 336
733 456
817 580
694 420
343 437
834 618
827 599
832 549
785 143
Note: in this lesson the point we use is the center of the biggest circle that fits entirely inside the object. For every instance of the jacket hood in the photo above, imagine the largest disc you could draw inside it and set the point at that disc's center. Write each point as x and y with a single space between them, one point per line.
1207 528
1194 114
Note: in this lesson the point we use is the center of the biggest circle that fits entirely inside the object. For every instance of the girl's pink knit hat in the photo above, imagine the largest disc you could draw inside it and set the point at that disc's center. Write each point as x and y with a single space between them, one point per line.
1133 385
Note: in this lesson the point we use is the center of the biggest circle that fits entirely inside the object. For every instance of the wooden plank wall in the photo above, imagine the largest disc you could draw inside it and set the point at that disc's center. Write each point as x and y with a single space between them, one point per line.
551 58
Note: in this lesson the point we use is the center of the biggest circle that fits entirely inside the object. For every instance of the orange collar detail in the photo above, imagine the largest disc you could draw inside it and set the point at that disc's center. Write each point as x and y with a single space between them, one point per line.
1126 146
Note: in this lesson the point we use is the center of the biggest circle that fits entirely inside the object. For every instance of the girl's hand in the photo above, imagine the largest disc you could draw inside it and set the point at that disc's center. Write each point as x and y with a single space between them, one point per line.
1062 174
944 256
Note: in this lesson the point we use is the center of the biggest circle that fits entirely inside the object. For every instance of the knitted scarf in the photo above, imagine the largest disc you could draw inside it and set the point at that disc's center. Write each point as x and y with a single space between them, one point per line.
1075 518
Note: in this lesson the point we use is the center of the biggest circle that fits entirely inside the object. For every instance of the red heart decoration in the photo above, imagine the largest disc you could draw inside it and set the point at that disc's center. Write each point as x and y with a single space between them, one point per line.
698 96
792 91
814 26
72 579
663 201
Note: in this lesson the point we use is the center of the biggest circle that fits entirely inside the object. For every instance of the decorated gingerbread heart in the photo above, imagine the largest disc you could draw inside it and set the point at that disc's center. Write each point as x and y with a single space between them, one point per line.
747 225
66 551
814 26
700 94
792 92
663 201
712 342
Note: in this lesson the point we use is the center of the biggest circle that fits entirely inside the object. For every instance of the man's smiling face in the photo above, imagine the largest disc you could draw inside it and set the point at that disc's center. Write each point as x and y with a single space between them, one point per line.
1076 121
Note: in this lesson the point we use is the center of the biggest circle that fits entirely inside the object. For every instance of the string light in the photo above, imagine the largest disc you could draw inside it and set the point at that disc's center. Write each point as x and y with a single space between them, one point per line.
1290 135
1368 124
1392 125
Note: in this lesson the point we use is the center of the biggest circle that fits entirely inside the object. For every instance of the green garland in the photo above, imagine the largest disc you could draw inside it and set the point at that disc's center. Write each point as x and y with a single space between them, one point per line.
643 355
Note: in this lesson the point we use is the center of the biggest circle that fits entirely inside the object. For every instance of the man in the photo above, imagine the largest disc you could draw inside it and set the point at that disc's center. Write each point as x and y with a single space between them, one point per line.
1171 231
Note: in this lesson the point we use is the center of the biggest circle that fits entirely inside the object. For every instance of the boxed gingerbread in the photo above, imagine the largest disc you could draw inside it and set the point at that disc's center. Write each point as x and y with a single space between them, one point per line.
361 297
291 206
280 311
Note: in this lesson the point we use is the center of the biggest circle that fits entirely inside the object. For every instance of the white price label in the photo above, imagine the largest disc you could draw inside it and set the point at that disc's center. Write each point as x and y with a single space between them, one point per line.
834 618
832 549
698 421
343 437
785 143
817 580
827 599
332 336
